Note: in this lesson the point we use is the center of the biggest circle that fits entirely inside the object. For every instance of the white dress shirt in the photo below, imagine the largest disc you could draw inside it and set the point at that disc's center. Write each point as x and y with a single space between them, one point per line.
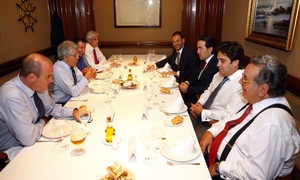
89 56
229 99
266 149
63 88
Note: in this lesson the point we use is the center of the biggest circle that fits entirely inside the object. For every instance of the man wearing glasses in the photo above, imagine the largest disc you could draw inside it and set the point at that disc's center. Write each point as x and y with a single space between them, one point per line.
68 79
262 141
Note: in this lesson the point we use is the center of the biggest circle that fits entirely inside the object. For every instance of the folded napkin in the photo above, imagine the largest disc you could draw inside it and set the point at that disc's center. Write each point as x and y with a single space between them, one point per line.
185 148
79 98
166 68
170 83
174 106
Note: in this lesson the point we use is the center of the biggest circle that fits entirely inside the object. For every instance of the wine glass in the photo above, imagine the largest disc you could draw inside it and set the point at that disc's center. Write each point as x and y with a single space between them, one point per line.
147 139
108 95
148 95
60 129
77 138
155 92
85 116
158 131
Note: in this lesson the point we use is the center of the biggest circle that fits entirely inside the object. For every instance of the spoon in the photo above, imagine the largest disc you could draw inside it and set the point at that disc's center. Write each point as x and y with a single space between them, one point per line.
181 163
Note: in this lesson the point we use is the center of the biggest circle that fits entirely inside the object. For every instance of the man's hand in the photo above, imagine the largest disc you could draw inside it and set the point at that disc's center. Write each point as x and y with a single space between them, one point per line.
172 73
77 113
89 73
196 109
206 141
212 171
150 67
183 87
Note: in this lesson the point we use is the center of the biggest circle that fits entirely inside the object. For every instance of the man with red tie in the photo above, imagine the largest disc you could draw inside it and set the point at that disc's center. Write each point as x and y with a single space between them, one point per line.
259 142
93 54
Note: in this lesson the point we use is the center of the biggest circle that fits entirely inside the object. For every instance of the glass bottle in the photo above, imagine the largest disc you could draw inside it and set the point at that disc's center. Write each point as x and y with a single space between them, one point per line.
129 77
135 59
109 131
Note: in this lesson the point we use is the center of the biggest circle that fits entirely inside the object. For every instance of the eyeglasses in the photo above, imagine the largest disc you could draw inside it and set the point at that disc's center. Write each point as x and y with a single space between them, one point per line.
246 81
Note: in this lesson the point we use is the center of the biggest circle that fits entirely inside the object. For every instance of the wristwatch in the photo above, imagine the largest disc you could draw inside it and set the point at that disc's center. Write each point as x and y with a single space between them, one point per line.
217 168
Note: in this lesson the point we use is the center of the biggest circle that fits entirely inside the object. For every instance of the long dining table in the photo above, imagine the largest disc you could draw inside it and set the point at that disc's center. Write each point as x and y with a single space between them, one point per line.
131 117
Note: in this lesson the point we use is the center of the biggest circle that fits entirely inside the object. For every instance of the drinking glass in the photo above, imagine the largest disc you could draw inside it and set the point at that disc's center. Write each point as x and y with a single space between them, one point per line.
85 116
148 95
60 129
156 90
77 138
158 131
147 140
108 96
120 58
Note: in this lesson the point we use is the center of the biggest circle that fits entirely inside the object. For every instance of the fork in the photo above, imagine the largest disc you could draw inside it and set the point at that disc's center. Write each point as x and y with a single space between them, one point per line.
181 163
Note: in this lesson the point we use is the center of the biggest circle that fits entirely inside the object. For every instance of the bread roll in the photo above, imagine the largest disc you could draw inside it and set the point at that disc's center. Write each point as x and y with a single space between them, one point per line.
177 120
165 90
83 107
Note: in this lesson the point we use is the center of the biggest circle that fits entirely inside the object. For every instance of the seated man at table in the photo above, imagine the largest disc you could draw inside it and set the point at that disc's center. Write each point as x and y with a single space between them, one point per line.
26 104
219 102
198 81
69 81
182 61
93 54
266 148
81 43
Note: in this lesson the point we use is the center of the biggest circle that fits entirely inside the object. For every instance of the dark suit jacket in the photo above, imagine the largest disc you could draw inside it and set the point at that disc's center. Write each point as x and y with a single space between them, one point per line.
188 62
198 86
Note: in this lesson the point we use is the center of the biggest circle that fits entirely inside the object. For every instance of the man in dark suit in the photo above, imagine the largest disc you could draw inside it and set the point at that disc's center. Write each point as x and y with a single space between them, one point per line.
182 61
198 82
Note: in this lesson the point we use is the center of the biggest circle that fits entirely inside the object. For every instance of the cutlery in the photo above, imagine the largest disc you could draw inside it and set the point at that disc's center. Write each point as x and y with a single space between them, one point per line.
181 163
171 114
57 140
90 120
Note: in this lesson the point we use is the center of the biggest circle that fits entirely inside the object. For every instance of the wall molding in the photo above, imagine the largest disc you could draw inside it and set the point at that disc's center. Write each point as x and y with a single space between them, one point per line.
15 64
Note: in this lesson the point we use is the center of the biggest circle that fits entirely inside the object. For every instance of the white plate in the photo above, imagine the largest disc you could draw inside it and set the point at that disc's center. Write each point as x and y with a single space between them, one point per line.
165 150
174 85
183 109
169 122
102 76
109 144
159 70
48 130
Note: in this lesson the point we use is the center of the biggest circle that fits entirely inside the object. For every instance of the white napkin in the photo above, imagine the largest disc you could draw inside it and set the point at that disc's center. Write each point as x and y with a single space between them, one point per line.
170 83
185 148
79 98
174 106
166 68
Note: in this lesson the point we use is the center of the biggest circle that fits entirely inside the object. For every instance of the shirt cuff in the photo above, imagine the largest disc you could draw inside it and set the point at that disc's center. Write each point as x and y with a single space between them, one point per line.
178 73
205 115
224 169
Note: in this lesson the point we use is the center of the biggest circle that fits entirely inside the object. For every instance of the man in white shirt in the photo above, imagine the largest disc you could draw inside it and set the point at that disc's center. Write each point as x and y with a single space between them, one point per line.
93 54
267 148
229 98
69 81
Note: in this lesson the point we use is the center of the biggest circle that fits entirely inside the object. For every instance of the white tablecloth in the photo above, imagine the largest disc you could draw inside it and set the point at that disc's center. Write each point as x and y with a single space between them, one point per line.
40 162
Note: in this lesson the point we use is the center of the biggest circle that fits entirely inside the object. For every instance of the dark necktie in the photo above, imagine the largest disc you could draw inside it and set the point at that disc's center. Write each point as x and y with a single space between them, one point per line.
212 96
177 58
74 75
218 139
95 57
39 105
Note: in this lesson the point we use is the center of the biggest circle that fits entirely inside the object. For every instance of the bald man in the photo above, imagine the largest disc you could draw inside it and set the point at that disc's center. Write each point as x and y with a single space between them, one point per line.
21 121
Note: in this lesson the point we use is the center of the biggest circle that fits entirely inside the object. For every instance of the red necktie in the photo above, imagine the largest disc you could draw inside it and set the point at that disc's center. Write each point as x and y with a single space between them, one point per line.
217 141
95 57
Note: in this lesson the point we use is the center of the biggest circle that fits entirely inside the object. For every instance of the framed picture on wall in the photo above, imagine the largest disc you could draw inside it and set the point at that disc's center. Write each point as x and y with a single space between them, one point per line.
137 13
272 23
